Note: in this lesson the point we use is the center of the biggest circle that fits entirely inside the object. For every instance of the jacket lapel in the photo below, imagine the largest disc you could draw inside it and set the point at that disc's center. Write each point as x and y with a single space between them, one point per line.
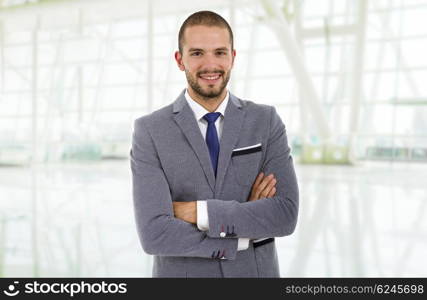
184 117
233 120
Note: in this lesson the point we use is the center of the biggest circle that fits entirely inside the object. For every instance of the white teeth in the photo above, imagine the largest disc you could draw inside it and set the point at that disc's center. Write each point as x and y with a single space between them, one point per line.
210 77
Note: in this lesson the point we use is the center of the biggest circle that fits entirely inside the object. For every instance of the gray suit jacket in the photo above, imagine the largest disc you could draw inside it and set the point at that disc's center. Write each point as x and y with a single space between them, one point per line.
170 162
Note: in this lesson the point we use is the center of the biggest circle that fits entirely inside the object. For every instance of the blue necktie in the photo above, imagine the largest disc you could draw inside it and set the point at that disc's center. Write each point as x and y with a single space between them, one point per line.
212 138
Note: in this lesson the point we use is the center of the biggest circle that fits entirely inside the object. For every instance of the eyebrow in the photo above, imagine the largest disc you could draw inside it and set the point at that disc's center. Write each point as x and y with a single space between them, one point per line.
194 49
198 49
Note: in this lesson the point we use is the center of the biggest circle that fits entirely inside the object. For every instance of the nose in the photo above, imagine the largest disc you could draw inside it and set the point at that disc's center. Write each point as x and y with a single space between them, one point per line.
210 62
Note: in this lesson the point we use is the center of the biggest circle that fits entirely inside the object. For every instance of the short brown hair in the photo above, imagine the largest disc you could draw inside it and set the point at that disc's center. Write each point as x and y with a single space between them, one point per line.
206 18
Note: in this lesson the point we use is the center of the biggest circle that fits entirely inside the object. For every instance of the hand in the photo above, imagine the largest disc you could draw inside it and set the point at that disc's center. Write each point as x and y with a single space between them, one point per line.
263 187
186 211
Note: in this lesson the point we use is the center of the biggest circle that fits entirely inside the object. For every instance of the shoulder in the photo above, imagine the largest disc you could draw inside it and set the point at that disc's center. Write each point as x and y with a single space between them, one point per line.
254 109
262 114
155 118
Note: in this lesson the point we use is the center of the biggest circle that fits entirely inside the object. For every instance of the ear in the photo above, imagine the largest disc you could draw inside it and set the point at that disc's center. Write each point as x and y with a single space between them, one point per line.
178 59
233 55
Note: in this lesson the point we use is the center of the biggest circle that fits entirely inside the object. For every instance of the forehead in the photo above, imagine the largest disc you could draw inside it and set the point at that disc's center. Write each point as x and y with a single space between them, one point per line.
206 37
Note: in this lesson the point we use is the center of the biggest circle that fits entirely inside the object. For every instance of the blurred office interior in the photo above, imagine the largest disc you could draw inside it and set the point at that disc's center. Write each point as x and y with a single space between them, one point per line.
346 76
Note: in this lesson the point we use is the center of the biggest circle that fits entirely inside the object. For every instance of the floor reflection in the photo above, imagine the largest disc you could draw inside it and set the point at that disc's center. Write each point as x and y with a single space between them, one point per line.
77 220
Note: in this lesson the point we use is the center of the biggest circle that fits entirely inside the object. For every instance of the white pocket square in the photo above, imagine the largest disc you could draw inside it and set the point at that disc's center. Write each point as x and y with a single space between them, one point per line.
247 147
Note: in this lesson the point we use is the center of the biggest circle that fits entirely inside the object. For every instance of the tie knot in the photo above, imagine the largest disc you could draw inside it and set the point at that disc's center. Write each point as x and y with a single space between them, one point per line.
211 117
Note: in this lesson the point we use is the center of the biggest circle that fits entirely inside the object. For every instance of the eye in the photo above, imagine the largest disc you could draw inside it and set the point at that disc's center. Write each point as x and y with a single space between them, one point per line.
221 53
196 53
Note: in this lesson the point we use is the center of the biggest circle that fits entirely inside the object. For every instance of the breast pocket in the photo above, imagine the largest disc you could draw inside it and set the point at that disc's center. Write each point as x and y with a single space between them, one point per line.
246 162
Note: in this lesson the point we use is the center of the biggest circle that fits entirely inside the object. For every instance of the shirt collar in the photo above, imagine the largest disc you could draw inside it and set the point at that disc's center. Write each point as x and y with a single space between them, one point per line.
199 111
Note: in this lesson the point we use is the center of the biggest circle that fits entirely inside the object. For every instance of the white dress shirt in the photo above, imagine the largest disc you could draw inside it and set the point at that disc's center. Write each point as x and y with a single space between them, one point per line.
199 111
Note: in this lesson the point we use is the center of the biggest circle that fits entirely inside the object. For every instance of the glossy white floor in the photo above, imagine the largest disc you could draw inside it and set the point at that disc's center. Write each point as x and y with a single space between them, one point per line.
365 220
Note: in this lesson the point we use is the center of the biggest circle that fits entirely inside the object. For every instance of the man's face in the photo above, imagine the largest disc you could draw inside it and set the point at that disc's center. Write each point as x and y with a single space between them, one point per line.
207 59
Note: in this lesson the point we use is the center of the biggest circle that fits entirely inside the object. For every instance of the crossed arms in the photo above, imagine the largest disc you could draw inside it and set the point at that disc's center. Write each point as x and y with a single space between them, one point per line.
263 187
161 233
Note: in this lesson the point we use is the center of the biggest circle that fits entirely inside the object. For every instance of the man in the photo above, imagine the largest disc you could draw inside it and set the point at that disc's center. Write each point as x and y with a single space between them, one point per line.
213 178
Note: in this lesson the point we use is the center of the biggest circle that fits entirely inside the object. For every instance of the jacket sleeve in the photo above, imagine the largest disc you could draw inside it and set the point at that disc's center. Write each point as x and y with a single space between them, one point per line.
266 217
159 231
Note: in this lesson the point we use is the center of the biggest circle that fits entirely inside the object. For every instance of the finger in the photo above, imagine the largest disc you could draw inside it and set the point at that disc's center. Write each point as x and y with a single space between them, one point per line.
263 184
265 181
258 179
272 192
269 186
255 185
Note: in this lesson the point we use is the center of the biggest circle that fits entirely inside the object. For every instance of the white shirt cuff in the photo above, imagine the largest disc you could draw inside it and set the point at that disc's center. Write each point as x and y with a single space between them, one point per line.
202 216
242 244
203 224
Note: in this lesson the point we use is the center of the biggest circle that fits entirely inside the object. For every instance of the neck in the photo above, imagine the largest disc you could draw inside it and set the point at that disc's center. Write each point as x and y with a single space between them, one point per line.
210 104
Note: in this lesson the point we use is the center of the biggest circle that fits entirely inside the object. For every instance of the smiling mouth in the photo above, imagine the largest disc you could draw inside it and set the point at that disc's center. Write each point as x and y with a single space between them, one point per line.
210 78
